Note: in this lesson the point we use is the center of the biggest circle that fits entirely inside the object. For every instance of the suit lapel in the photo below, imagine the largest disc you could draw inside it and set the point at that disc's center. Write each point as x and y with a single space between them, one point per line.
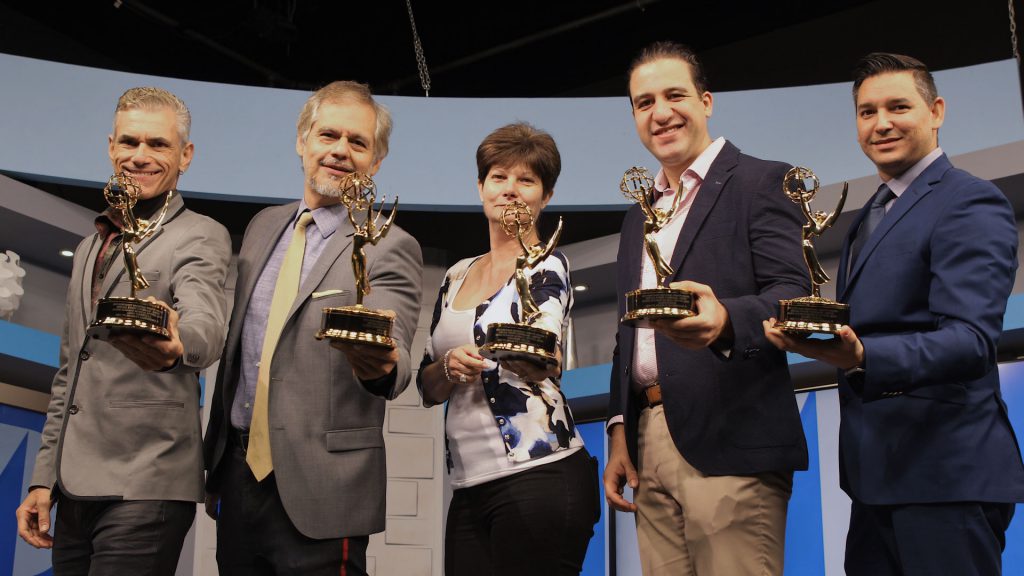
842 274
921 186
718 175
87 275
262 246
629 274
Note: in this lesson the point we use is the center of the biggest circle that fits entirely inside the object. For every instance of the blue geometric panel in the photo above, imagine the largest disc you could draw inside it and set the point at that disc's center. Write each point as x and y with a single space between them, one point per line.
10 489
19 442
1011 377
805 544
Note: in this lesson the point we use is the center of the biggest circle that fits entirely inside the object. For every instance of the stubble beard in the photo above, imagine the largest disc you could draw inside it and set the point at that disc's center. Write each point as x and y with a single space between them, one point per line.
330 189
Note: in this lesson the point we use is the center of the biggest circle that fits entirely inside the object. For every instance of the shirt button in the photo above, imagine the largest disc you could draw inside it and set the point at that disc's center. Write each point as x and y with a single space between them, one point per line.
501 421
508 436
73 409
492 400
84 355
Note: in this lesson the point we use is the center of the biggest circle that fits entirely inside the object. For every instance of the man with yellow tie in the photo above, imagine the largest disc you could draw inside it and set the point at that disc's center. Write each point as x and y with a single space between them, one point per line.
294 448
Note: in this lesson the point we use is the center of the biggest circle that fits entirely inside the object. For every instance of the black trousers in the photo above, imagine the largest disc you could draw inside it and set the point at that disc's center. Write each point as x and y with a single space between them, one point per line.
961 538
538 521
117 537
255 537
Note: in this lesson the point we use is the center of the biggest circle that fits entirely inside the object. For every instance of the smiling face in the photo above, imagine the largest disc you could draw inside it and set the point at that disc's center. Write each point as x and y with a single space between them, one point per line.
339 142
671 115
504 185
896 127
146 144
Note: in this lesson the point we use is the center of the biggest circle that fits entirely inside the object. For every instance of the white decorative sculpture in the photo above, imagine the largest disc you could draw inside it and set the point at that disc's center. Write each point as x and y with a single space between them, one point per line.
11 275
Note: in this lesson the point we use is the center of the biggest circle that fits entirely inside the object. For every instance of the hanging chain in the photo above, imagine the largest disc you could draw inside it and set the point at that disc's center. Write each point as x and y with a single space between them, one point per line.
421 60
1013 32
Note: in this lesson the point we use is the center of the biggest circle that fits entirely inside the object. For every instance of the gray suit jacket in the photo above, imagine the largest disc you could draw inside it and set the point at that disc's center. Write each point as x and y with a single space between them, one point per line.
112 430
326 434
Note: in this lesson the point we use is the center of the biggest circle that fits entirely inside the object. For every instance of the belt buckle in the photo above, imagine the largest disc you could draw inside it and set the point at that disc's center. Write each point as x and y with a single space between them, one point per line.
647 393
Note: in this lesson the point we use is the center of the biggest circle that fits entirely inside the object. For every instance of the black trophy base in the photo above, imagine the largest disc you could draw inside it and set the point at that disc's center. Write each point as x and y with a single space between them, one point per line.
506 341
648 304
810 315
357 325
121 314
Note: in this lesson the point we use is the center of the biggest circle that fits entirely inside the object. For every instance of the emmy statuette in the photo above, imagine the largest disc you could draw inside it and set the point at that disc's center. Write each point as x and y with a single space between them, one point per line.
803 316
358 324
127 313
646 304
522 340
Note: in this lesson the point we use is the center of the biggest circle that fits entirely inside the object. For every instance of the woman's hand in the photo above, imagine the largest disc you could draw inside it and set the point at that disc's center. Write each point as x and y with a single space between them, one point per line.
463 364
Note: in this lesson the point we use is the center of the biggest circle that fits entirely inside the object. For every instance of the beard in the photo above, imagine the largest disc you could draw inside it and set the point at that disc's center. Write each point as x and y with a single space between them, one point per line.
331 188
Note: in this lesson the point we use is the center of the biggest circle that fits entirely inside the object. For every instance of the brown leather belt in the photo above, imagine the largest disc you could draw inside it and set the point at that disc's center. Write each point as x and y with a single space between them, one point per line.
650 397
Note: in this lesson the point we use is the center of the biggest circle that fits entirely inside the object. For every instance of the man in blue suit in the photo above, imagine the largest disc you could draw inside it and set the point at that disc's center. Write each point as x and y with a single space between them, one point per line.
926 450
703 406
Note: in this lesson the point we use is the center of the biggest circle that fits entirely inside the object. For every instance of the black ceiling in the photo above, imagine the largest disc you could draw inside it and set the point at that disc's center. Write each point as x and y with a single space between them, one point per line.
528 48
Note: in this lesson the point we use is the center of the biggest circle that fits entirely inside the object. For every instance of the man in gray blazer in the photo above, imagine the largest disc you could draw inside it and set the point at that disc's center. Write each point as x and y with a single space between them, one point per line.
121 448
313 513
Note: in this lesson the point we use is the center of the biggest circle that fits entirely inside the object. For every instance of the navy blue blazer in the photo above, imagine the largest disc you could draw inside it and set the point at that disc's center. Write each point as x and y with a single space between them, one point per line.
926 422
735 415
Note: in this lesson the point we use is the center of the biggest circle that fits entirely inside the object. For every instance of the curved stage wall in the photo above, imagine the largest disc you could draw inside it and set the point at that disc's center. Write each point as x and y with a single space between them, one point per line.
55 116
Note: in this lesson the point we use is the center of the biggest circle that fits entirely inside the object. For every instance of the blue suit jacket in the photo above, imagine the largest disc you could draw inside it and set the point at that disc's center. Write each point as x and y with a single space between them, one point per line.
736 415
927 422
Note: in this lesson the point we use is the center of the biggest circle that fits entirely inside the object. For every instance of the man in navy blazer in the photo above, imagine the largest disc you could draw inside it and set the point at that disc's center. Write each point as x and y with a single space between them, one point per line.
703 405
926 450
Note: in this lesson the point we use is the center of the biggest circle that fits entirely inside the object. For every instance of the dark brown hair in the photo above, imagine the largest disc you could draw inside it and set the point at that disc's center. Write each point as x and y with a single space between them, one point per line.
520 144
667 49
884 63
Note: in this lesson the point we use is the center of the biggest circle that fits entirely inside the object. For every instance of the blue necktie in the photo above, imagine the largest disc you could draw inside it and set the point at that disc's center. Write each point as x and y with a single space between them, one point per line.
874 217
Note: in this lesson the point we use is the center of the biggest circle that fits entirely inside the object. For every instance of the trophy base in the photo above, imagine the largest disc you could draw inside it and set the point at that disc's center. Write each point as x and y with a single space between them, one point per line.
810 315
648 304
357 325
121 314
506 341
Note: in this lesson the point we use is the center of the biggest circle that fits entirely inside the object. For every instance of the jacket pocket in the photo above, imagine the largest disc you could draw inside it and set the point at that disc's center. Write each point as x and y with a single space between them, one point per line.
167 404
327 293
355 439
954 393
150 276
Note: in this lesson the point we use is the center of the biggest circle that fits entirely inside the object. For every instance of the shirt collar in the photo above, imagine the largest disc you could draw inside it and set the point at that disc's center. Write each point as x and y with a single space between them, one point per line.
109 221
899 184
326 218
697 171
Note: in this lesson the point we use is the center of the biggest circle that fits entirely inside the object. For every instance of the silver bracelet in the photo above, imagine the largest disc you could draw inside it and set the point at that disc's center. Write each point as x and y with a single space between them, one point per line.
444 366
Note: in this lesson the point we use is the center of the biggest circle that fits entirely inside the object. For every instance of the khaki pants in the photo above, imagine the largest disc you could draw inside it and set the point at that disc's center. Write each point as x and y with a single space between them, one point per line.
689 524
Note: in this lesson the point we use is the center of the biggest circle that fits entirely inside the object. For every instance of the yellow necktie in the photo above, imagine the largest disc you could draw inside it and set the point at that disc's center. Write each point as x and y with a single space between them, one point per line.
258 453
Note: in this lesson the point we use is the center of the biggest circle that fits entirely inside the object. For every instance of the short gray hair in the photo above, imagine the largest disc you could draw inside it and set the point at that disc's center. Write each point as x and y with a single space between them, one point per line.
353 91
150 98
